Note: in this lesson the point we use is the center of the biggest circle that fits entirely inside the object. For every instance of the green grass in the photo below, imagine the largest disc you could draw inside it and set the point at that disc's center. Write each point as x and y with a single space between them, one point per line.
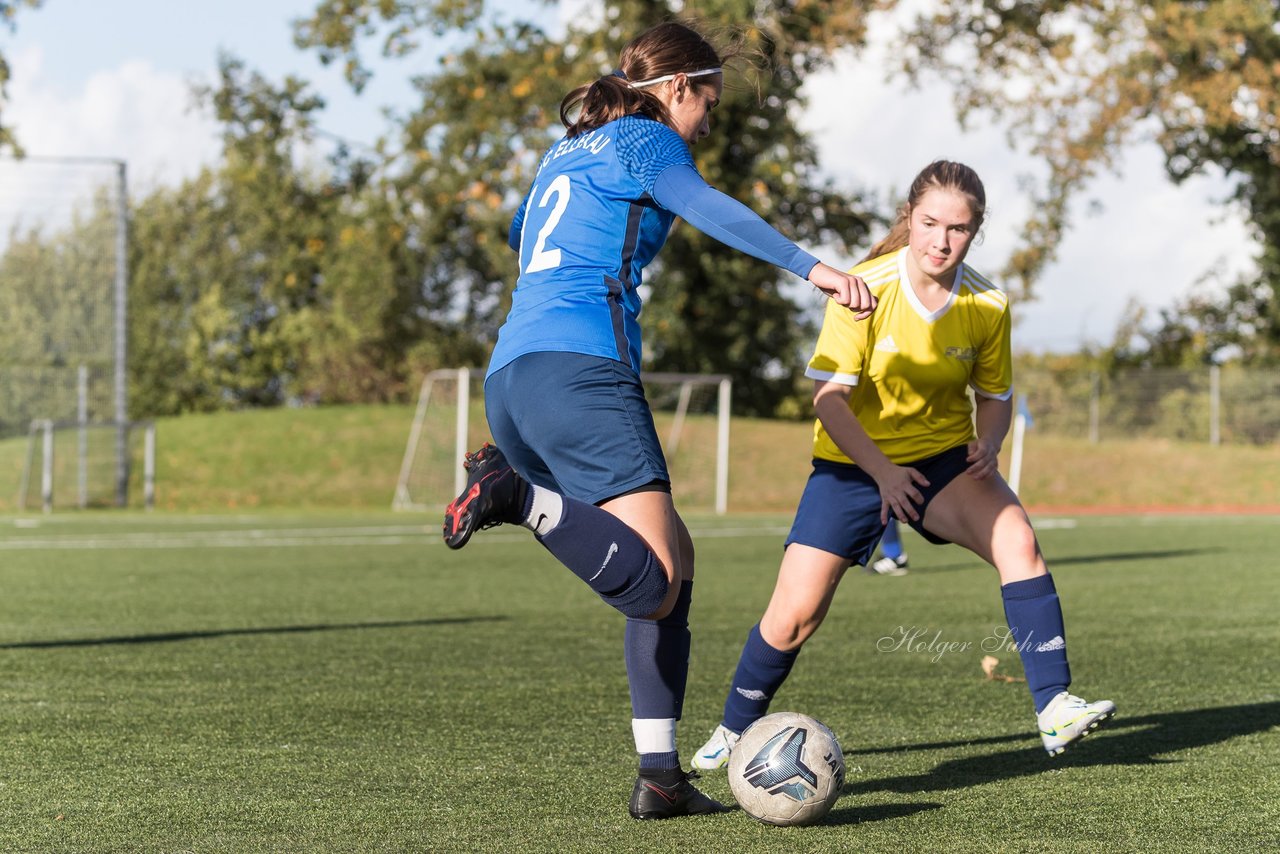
334 681
348 457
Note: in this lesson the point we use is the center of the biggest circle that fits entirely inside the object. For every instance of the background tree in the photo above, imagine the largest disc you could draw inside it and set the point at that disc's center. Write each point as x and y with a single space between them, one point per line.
1079 79
8 12
266 280
462 158
56 306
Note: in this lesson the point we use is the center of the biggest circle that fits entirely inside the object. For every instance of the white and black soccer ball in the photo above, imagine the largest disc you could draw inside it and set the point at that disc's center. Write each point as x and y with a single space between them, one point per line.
787 769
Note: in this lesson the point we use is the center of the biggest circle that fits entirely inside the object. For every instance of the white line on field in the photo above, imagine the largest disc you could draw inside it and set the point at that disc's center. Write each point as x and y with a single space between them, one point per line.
395 535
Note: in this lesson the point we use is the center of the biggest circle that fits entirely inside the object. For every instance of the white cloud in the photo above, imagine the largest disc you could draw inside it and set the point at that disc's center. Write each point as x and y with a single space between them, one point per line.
1151 240
131 112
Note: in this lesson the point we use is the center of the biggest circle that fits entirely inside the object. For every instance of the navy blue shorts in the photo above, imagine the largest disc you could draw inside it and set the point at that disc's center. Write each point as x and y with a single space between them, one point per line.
577 424
839 511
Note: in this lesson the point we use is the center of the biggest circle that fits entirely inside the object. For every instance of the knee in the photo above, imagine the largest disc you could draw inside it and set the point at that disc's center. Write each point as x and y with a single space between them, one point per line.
1016 554
788 632
686 560
647 593
684 554
667 605
1021 541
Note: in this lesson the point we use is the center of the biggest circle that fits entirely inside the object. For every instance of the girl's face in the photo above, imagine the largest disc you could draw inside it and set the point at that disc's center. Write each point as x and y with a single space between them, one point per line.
689 104
941 228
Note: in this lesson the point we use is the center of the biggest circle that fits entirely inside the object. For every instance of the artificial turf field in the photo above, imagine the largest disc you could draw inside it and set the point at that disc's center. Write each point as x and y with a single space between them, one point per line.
345 683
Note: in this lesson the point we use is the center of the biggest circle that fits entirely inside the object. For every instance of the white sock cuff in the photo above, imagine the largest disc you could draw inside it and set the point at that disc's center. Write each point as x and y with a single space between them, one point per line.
654 735
545 510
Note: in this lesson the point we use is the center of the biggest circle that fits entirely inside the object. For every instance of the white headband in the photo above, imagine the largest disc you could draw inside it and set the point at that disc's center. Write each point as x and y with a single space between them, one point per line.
641 84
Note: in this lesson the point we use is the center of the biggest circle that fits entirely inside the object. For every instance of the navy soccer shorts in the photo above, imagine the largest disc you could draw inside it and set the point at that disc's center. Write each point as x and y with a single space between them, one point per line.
839 511
576 424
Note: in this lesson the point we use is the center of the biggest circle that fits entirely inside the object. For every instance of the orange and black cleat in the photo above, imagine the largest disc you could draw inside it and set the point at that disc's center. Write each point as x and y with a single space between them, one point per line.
495 494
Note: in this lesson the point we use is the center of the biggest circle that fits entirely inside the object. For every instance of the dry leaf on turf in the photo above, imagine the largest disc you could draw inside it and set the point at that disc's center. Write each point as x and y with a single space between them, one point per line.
989 664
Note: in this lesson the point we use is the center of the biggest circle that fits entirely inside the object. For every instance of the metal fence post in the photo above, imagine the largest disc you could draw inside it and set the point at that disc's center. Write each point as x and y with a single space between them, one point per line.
1095 408
122 303
1215 405
46 470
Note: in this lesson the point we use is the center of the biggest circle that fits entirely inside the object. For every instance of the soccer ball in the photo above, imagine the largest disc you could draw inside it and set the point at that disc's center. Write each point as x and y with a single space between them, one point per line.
787 769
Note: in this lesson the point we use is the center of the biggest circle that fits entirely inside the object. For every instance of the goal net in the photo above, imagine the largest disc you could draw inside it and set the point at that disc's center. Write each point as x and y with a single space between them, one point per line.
74 464
63 297
691 412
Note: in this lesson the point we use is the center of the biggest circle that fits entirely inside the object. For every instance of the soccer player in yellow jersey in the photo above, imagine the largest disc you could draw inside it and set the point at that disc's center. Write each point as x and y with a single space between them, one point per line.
896 436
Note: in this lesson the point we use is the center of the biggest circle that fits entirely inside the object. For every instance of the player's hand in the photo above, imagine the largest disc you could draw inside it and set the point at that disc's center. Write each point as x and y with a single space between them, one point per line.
983 459
849 291
899 495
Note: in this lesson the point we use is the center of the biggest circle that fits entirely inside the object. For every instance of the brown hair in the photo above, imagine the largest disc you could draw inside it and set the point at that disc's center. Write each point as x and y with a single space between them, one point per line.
939 175
669 48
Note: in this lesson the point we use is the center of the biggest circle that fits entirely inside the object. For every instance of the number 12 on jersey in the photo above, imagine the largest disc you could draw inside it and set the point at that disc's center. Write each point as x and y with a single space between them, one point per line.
543 258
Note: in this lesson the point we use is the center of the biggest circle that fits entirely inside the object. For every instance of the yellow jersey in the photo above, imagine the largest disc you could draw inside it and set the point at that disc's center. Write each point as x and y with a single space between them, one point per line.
909 367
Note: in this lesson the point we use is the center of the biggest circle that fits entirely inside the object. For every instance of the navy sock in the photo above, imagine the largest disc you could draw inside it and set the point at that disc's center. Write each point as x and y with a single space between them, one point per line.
1034 614
657 653
761 672
891 542
603 551
653 763
663 776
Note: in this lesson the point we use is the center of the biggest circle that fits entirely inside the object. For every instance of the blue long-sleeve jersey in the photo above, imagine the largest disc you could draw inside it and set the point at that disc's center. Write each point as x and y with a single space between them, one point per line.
599 210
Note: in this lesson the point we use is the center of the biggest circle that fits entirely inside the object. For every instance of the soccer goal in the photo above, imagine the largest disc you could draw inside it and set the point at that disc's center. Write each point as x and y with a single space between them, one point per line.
74 463
691 412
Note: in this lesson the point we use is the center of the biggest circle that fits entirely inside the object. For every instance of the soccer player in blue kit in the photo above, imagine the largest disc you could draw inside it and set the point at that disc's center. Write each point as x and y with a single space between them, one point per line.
578 460
893 560
896 436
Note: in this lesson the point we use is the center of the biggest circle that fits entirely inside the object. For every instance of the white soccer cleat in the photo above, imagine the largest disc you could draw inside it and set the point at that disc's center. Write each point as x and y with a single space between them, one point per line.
889 566
1067 719
715 753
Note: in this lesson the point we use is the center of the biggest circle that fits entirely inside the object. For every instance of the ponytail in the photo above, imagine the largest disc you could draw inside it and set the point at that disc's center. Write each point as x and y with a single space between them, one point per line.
611 97
895 239
655 55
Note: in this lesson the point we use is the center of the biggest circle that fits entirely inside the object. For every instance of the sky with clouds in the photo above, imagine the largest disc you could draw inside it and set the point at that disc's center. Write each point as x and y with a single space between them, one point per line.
78 92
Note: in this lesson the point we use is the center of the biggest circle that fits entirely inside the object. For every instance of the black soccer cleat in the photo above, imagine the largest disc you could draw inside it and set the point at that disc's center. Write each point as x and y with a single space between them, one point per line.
495 494
651 799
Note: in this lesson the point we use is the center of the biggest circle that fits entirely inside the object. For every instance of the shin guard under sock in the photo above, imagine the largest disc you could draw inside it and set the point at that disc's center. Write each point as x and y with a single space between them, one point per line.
761 671
657 653
603 551
1034 614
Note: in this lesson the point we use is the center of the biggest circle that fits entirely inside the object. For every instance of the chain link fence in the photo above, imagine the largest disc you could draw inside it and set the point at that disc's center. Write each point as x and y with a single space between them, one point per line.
1215 404
63 302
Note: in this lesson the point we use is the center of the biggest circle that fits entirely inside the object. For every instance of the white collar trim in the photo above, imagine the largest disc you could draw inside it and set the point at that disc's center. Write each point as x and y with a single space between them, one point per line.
910 292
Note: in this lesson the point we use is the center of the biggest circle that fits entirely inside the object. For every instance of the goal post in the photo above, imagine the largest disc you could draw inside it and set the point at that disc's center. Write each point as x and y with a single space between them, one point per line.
691 412
82 458
64 288
706 394
418 468
1021 421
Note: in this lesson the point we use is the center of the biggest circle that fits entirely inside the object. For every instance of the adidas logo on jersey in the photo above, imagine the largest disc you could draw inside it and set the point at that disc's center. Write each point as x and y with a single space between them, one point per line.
887 345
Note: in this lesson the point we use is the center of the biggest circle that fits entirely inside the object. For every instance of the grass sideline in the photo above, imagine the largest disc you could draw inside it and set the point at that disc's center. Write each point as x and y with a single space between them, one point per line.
341 682
348 457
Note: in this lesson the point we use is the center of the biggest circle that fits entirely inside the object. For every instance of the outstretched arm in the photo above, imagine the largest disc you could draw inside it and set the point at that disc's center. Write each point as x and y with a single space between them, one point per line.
681 190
